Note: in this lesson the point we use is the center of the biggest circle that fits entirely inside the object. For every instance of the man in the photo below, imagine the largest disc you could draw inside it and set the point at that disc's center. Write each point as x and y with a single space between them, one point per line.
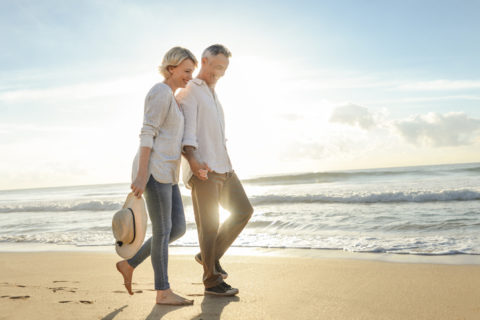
209 172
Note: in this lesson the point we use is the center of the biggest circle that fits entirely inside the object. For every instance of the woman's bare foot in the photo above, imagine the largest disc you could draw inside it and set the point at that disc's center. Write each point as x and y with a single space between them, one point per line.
168 297
127 271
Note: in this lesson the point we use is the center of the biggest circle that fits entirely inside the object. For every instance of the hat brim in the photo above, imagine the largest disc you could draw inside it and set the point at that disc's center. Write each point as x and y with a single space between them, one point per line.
128 250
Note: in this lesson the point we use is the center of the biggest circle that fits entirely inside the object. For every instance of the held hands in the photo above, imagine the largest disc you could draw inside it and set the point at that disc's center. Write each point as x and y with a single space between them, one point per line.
138 185
203 173
200 169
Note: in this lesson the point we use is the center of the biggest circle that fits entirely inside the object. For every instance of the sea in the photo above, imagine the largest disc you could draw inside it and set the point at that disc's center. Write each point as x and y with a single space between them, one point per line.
420 210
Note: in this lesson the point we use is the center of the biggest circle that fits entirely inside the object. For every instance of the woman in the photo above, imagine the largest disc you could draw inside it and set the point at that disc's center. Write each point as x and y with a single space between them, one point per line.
156 170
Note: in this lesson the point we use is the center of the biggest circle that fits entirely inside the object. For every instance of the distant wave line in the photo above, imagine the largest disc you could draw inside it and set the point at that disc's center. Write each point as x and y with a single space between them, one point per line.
325 177
386 197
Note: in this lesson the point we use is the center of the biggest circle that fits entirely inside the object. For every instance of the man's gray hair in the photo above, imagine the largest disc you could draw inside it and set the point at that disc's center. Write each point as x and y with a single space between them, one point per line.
215 50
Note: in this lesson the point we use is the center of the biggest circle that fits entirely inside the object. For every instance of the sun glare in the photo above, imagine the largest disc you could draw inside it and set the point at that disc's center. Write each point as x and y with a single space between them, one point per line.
224 214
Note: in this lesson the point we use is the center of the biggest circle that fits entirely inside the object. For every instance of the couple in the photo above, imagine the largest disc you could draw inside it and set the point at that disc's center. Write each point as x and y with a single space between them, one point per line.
191 123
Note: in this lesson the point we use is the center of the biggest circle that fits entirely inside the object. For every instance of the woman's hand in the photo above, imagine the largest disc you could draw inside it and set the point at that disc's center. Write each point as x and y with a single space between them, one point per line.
140 182
138 185
199 169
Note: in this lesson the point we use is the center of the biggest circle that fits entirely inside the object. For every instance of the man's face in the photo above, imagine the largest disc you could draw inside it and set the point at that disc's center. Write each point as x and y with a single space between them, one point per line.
215 67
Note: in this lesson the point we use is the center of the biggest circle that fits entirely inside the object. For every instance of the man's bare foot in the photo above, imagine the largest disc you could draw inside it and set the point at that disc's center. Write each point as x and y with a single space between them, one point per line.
127 271
168 297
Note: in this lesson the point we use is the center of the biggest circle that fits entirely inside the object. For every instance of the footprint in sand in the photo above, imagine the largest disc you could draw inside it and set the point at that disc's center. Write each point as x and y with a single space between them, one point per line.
16 297
20 297
81 301
63 289
134 291
11 284
55 281
68 289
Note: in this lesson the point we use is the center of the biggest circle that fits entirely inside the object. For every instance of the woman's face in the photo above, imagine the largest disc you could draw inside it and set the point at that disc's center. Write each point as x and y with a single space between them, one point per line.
182 73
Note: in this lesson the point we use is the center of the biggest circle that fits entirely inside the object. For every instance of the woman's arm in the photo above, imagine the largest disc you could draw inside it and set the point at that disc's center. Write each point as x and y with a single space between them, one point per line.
138 186
157 104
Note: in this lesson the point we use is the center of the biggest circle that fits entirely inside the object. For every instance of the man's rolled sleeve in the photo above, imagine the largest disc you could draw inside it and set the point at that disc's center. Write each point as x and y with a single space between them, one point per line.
156 109
188 104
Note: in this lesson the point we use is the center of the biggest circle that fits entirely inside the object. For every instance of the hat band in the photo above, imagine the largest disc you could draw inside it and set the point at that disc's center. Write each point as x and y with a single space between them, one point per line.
120 243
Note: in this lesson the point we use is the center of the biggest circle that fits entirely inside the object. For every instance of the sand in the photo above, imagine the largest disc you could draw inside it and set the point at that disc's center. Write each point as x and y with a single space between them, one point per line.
83 285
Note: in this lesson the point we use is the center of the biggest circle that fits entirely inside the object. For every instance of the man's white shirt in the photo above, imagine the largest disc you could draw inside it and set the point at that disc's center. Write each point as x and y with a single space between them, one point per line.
204 127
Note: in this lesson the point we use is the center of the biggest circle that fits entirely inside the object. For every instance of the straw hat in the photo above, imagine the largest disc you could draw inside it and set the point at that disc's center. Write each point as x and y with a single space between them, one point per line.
129 226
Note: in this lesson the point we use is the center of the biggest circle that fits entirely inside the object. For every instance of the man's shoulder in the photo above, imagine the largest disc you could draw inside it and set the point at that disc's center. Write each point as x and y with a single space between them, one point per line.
196 81
191 90
195 85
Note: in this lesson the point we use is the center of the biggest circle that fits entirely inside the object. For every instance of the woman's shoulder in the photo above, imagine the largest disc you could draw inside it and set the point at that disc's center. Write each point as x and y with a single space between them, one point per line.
160 90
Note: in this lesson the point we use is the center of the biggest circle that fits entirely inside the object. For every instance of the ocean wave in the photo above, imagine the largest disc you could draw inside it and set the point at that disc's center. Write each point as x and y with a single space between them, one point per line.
386 197
61 207
270 199
472 169
325 177
78 205
434 246
319 177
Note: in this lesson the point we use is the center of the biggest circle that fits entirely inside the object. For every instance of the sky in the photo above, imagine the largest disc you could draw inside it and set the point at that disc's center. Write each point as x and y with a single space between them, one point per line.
312 86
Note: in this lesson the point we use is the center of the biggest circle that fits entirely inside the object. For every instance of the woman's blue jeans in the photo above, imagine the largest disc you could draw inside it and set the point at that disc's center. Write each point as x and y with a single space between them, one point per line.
165 208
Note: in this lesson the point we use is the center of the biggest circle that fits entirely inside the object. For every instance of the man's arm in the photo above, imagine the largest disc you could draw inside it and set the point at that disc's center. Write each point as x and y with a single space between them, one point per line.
199 168
189 107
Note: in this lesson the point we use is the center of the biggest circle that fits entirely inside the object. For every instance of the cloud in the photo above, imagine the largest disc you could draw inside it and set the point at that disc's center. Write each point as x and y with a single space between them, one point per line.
439 130
353 115
433 129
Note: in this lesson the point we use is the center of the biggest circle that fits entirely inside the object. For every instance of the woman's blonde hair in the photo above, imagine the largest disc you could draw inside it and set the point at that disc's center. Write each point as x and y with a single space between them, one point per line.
173 58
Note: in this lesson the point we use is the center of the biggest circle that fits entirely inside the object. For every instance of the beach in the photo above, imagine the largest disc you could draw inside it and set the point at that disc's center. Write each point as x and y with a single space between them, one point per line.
86 285
397 243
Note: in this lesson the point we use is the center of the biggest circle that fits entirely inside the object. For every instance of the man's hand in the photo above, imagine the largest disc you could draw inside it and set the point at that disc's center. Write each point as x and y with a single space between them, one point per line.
199 168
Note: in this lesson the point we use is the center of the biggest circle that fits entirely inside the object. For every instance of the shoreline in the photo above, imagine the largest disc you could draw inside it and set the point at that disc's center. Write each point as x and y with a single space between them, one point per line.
453 259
